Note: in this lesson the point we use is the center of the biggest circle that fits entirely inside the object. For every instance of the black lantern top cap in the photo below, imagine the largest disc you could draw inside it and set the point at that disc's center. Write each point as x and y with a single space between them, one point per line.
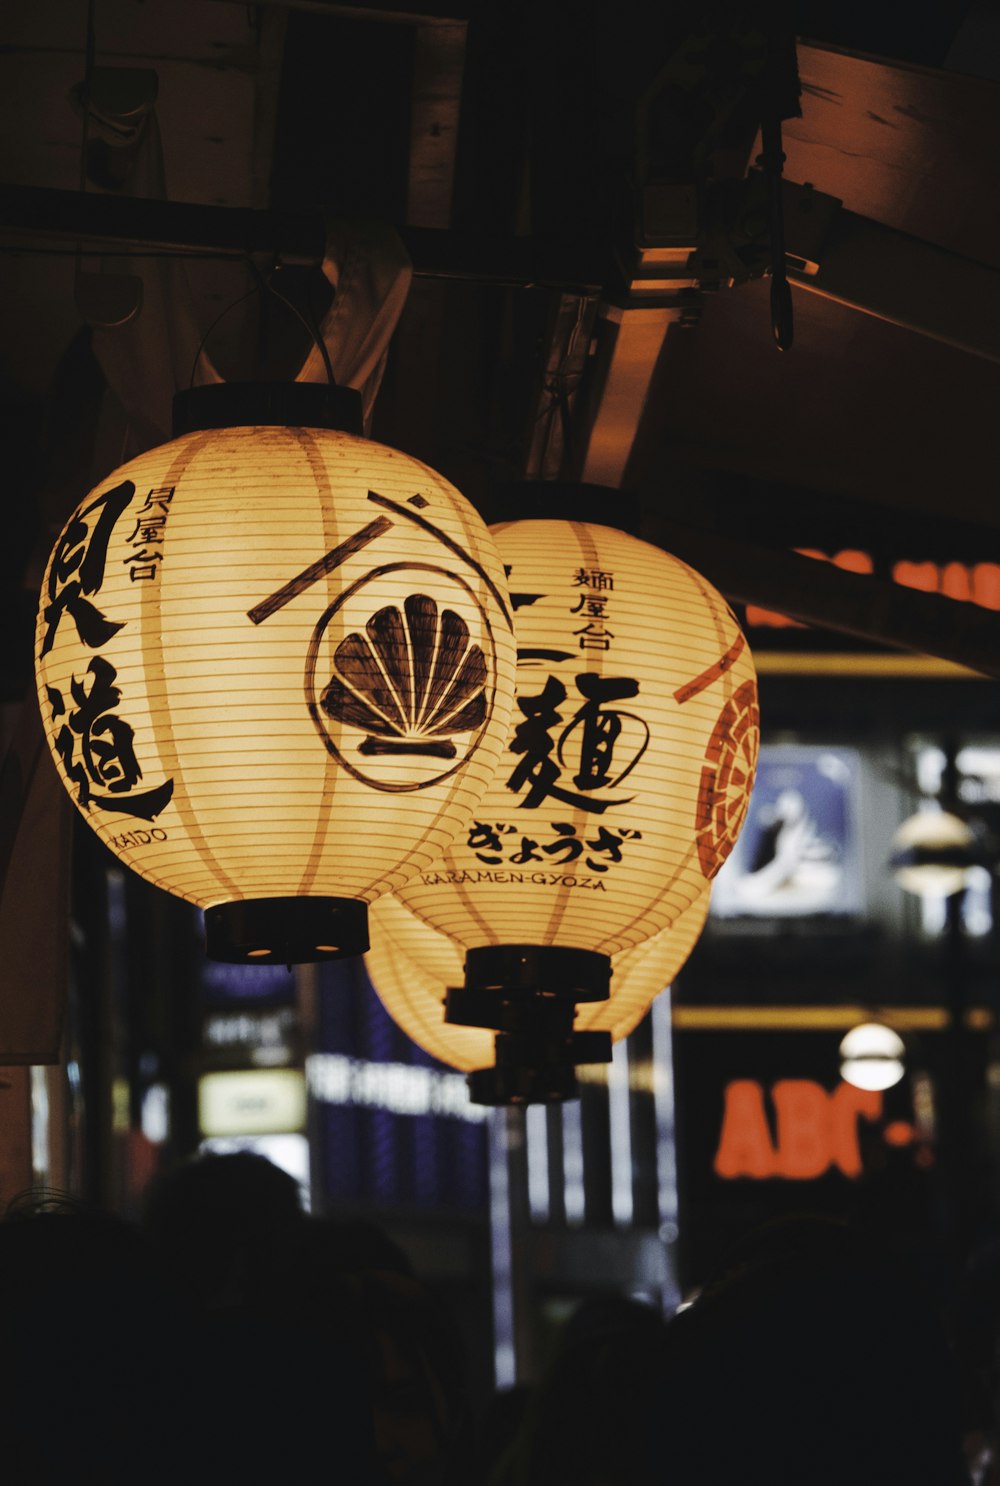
267 404
567 500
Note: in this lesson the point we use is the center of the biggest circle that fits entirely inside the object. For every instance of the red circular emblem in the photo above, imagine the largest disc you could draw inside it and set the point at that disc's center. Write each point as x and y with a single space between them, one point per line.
727 777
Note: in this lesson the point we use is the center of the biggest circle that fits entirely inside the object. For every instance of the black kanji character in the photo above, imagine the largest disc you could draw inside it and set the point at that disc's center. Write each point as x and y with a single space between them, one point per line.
600 727
594 637
593 605
594 727
96 746
77 568
593 578
532 739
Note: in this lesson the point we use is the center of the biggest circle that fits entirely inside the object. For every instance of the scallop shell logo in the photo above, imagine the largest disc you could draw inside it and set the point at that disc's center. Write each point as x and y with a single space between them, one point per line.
411 679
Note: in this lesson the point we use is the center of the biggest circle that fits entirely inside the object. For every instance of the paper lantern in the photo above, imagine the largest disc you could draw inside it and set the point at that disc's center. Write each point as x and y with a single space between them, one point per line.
625 779
275 667
627 773
411 966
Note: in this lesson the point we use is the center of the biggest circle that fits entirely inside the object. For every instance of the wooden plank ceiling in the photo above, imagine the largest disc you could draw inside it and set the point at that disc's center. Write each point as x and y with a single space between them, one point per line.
503 119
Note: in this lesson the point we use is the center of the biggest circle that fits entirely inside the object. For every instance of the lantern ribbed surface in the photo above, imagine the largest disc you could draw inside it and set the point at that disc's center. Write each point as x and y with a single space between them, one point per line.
639 975
275 662
633 745
411 965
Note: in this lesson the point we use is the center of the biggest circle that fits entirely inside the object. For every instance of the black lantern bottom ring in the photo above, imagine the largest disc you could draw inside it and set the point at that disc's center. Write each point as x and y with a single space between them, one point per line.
286 931
528 994
537 1069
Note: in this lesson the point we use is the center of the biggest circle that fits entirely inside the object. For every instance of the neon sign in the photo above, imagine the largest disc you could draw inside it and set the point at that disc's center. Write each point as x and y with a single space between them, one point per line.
816 1131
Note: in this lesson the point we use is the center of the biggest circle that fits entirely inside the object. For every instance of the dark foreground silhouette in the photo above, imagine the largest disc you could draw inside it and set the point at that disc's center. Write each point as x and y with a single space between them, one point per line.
232 1339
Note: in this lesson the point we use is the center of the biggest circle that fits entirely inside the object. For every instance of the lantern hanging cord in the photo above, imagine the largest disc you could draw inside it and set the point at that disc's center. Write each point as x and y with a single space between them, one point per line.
309 324
254 289
263 285
772 158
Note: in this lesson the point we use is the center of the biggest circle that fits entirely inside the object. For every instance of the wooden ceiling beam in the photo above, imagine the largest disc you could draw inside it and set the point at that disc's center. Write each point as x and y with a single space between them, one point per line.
818 593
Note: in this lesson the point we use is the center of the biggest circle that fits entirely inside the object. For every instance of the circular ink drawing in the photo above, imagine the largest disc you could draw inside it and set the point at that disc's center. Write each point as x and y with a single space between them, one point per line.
726 778
405 681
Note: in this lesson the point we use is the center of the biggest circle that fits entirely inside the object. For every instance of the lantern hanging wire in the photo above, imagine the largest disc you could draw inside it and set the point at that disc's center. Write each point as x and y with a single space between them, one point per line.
264 285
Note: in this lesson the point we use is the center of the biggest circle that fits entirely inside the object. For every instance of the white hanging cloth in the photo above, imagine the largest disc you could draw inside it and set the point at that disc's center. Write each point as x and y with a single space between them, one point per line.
150 358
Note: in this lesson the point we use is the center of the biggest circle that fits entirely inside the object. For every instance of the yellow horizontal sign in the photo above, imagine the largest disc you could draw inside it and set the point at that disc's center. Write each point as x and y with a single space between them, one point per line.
850 663
824 1018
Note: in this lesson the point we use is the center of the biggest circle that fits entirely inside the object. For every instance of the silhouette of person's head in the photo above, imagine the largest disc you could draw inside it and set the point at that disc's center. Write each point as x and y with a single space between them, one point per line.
213 1221
812 1359
353 1283
86 1359
276 1357
580 1424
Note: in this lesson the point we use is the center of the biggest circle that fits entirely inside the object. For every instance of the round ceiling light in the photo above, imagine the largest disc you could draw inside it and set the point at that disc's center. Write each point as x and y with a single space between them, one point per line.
872 1057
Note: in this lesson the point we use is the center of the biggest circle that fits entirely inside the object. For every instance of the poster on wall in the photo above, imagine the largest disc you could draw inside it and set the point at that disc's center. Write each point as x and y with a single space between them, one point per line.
800 850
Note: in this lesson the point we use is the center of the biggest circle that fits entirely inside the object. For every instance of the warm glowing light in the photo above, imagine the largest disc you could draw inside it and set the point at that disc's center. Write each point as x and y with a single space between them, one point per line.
872 1057
932 853
412 965
276 663
252 1101
631 756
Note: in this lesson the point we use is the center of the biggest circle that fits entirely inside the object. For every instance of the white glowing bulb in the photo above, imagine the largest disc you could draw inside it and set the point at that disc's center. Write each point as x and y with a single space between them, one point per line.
919 840
872 1057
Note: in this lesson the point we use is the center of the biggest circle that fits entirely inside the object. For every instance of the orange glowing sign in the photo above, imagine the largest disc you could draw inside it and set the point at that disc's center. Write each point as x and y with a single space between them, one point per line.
815 1130
976 583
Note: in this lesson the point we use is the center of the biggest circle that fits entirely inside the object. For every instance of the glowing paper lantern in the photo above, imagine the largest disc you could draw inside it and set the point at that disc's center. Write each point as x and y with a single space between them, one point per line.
639 975
411 966
627 773
624 783
621 791
275 666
